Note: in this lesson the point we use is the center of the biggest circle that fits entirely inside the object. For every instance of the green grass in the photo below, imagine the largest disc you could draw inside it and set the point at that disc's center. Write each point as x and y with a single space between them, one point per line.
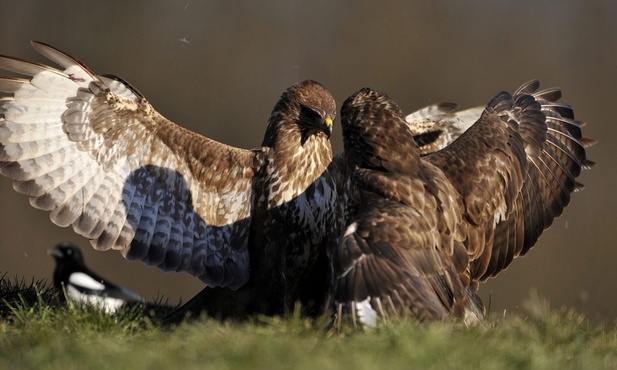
38 331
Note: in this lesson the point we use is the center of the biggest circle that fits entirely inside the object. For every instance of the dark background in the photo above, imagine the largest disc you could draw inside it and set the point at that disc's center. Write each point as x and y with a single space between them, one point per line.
217 67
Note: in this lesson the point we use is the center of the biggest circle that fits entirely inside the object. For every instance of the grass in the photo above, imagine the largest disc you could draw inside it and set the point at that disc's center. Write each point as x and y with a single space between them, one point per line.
38 331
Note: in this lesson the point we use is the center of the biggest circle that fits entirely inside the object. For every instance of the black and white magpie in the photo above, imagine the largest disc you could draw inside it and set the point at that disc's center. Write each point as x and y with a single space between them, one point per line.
84 286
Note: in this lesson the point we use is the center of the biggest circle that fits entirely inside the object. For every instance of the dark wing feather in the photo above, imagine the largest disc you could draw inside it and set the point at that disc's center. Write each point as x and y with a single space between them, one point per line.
385 270
94 153
515 169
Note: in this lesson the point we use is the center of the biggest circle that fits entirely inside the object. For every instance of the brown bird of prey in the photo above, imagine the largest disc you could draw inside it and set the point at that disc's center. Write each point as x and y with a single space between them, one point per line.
426 230
93 152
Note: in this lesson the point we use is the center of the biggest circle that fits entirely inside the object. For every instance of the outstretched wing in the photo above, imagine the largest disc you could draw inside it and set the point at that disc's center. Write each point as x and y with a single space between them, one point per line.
515 170
427 228
92 151
437 125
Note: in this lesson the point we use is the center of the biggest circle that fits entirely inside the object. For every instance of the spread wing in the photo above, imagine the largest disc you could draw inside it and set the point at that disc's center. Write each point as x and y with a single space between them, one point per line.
427 228
515 170
93 152
437 125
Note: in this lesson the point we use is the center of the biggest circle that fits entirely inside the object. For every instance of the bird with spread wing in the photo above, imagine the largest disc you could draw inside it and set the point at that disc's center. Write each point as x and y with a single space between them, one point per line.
426 230
268 227
93 152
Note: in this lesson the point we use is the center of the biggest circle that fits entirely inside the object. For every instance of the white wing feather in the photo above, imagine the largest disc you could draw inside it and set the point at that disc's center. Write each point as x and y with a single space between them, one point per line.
94 153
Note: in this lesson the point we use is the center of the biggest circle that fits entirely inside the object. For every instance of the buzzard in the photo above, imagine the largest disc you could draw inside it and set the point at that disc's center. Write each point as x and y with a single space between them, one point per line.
93 152
426 230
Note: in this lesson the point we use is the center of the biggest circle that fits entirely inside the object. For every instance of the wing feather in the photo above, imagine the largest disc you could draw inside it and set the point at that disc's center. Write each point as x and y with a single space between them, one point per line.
526 153
437 125
378 262
92 151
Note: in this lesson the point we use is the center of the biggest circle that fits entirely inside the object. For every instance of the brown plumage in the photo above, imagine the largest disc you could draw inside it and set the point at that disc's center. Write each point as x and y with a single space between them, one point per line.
410 233
91 150
426 230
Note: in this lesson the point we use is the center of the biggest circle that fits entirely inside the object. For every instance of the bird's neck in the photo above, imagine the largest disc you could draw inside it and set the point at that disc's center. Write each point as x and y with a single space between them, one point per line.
299 149
296 159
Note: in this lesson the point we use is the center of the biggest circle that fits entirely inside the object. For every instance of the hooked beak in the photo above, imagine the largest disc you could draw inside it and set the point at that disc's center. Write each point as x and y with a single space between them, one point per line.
328 127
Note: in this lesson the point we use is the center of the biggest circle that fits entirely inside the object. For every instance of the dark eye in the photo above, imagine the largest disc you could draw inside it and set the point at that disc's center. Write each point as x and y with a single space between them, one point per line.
309 115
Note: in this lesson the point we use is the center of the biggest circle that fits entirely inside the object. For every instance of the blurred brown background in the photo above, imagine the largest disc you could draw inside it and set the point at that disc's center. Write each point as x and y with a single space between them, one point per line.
217 67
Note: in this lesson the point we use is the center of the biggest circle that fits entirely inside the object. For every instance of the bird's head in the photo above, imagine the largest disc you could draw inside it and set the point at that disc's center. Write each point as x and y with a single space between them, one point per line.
306 105
66 252
375 133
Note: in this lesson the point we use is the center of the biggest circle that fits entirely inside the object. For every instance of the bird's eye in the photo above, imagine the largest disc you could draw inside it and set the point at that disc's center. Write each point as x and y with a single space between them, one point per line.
309 115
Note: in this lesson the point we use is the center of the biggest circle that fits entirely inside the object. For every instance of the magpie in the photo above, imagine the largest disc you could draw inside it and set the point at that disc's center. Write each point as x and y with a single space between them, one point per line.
84 286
